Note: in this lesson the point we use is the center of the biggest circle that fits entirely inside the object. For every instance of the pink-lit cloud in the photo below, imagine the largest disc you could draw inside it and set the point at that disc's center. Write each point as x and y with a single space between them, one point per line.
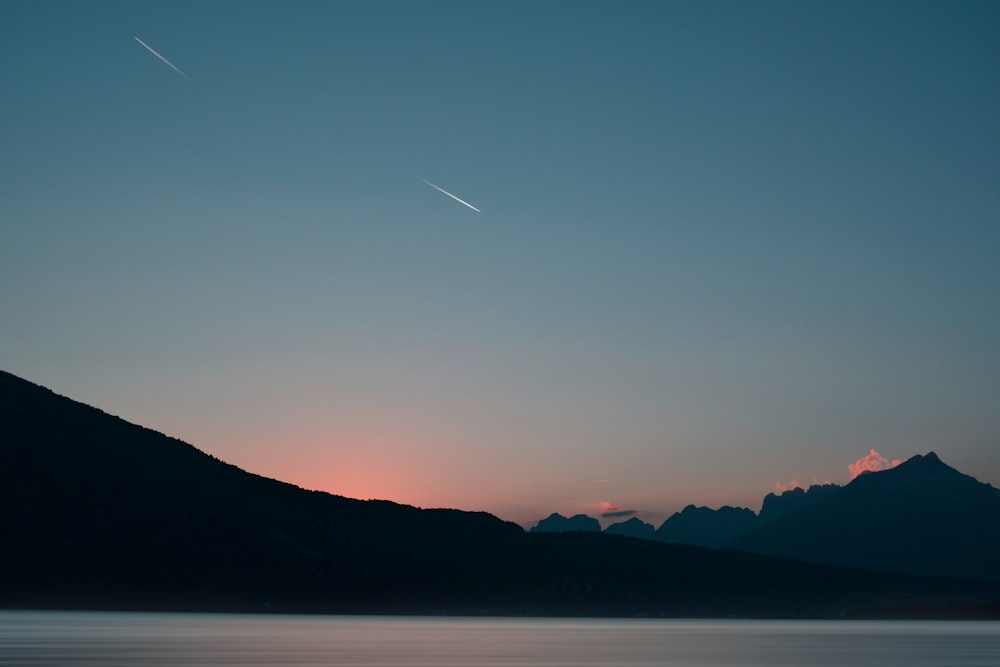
610 510
871 463
781 487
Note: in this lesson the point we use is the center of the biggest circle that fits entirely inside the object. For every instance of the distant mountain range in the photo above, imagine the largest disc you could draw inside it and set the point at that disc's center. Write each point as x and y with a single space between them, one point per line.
557 523
96 512
920 517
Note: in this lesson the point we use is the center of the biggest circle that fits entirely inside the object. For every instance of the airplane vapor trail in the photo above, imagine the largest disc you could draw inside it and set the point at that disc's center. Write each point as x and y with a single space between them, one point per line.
153 51
451 195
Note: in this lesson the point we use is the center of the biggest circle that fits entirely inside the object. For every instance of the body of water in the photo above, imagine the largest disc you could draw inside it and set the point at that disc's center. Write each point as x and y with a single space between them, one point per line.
36 639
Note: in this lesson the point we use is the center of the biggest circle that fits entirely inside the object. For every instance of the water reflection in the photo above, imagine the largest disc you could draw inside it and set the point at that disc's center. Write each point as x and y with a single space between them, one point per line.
83 639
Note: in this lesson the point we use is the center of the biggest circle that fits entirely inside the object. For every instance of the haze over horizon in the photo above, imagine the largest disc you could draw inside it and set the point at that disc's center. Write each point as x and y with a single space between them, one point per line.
722 246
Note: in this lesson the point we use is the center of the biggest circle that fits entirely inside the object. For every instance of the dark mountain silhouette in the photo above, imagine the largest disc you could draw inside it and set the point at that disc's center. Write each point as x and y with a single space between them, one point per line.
96 512
634 527
921 517
581 523
791 501
557 523
706 527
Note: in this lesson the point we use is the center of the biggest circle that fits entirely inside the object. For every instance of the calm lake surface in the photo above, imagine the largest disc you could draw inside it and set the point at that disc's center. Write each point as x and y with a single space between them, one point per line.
34 639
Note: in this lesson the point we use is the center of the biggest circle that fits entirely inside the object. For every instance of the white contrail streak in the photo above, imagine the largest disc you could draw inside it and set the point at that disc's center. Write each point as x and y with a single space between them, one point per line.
451 195
153 51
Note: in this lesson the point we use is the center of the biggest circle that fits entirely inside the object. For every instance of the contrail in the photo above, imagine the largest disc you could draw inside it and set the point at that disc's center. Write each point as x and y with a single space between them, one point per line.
451 195
172 66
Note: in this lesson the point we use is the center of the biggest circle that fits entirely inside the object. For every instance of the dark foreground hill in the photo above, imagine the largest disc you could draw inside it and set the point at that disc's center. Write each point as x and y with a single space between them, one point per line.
99 513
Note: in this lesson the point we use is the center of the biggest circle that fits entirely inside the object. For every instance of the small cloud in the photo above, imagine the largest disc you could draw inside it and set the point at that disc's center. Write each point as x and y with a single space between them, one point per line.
871 463
781 488
612 511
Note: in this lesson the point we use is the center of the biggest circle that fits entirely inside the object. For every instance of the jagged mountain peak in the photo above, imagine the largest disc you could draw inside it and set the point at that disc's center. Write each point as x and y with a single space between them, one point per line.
917 471
921 517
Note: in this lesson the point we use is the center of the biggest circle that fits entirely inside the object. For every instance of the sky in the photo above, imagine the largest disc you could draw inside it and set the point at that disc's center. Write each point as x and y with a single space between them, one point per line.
720 247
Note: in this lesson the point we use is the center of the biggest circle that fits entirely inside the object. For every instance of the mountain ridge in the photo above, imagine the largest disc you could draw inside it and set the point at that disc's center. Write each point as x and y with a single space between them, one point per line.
920 517
96 512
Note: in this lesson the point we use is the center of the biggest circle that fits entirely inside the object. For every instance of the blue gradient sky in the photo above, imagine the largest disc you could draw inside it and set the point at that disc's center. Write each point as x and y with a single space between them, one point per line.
723 244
